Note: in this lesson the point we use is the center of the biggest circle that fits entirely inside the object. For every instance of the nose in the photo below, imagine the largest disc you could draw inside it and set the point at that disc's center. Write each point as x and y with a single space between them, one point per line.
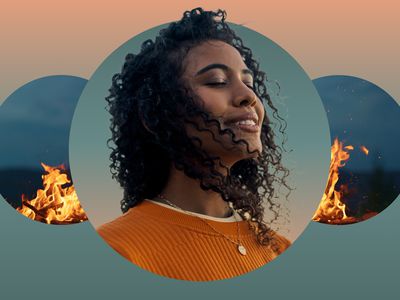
244 96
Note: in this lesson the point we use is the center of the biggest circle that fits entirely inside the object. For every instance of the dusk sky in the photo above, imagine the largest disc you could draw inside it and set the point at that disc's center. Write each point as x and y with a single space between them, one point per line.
35 122
361 113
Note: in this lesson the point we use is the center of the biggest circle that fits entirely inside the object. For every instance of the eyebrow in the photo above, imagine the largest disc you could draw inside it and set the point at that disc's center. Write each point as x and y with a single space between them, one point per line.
222 67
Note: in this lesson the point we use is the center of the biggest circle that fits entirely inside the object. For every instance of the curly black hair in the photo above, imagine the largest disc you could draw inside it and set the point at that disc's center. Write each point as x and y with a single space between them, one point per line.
150 107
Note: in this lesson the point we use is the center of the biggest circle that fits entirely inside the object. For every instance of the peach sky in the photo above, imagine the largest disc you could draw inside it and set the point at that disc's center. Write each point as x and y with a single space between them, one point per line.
40 38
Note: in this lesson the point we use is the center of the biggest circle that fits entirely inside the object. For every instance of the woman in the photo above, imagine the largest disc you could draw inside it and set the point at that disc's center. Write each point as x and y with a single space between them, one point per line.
195 154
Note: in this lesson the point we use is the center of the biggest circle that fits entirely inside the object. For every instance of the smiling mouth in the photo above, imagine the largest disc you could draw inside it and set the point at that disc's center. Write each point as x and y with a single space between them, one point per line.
246 125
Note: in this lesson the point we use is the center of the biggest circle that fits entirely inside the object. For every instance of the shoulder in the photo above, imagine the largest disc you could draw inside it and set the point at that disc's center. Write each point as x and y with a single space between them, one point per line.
119 224
120 233
134 235
273 240
278 242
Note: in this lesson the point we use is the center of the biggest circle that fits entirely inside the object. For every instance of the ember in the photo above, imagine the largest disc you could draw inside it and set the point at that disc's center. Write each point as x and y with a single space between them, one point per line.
364 149
56 203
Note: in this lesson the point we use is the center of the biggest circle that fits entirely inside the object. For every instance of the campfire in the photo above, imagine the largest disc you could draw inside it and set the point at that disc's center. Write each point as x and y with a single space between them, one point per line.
57 202
331 209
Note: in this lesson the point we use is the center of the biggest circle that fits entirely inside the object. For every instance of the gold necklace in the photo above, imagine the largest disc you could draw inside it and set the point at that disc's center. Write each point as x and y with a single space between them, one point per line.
242 250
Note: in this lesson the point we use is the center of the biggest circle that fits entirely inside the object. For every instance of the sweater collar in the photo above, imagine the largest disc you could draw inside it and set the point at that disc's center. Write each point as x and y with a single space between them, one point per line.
180 218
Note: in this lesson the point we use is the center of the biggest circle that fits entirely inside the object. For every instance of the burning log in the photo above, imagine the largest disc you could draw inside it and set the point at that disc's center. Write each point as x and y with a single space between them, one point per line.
56 203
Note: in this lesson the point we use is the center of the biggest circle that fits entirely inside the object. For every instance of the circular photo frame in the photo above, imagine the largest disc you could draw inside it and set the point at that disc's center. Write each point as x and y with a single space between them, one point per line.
175 239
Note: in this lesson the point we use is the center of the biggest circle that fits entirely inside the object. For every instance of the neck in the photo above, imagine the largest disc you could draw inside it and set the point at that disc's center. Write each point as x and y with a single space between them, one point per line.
186 193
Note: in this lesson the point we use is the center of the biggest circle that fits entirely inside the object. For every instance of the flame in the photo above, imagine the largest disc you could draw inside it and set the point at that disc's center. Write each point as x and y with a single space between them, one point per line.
331 209
364 149
54 204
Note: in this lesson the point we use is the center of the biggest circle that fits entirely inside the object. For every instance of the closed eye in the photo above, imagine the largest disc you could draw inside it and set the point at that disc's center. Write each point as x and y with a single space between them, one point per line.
216 83
249 85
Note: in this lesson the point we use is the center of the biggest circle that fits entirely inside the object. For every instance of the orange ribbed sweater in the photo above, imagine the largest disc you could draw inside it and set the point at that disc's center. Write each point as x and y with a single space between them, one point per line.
181 246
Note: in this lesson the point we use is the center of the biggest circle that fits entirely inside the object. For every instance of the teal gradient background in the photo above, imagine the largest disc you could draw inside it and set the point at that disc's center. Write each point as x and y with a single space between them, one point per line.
326 262
360 261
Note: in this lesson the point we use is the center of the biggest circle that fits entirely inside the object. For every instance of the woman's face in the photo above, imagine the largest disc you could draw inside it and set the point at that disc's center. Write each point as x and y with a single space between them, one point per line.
217 75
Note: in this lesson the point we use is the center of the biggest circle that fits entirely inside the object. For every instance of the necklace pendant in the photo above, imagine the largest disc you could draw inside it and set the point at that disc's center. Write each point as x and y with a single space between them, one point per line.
242 249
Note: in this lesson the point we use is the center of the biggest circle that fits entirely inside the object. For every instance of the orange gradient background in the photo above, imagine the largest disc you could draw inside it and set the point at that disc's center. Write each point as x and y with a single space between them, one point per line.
40 38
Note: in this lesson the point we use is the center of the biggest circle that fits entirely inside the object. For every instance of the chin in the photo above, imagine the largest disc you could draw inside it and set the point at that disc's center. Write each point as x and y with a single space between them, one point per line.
254 148
241 154
231 154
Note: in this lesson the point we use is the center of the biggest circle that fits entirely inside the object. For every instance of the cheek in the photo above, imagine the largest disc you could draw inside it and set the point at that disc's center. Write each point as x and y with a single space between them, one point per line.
215 109
213 103
260 110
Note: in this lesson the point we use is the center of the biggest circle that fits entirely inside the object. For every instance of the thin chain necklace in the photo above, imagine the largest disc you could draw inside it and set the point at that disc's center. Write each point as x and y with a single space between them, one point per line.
242 250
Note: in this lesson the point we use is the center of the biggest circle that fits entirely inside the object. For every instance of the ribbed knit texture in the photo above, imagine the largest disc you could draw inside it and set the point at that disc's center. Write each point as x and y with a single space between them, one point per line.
181 246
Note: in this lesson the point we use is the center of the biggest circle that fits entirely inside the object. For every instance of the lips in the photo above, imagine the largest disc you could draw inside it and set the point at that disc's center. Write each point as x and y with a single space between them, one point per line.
247 122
